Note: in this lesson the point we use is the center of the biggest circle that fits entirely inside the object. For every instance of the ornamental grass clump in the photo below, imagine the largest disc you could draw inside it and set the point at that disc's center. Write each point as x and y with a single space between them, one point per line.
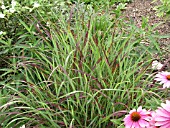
70 64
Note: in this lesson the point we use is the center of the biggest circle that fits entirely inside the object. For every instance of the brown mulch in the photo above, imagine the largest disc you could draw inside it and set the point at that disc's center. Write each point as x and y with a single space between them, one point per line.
138 8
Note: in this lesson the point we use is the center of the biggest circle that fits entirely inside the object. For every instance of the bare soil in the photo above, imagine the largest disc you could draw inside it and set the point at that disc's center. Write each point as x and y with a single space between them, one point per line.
138 8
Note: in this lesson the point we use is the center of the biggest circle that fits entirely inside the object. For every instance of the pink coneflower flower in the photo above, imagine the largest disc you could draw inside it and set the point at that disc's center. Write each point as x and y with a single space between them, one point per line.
137 118
152 121
164 78
162 117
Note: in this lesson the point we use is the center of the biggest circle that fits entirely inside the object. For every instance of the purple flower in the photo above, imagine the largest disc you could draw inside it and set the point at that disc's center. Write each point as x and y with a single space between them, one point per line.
162 116
164 78
137 118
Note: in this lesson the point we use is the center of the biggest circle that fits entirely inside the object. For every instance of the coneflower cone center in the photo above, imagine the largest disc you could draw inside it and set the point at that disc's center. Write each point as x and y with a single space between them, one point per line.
168 77
135 116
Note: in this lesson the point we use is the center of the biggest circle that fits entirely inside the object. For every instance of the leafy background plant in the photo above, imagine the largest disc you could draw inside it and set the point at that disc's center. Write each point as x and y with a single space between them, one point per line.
163 9
74 65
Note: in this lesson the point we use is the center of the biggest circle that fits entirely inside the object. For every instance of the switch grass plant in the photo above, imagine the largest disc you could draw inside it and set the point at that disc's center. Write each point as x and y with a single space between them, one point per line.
69 65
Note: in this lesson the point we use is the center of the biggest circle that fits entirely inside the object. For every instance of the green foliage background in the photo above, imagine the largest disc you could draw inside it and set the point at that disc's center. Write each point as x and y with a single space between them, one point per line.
163 9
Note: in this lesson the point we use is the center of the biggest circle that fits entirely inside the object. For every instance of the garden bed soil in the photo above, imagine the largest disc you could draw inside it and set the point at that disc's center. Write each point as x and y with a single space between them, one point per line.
138 8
